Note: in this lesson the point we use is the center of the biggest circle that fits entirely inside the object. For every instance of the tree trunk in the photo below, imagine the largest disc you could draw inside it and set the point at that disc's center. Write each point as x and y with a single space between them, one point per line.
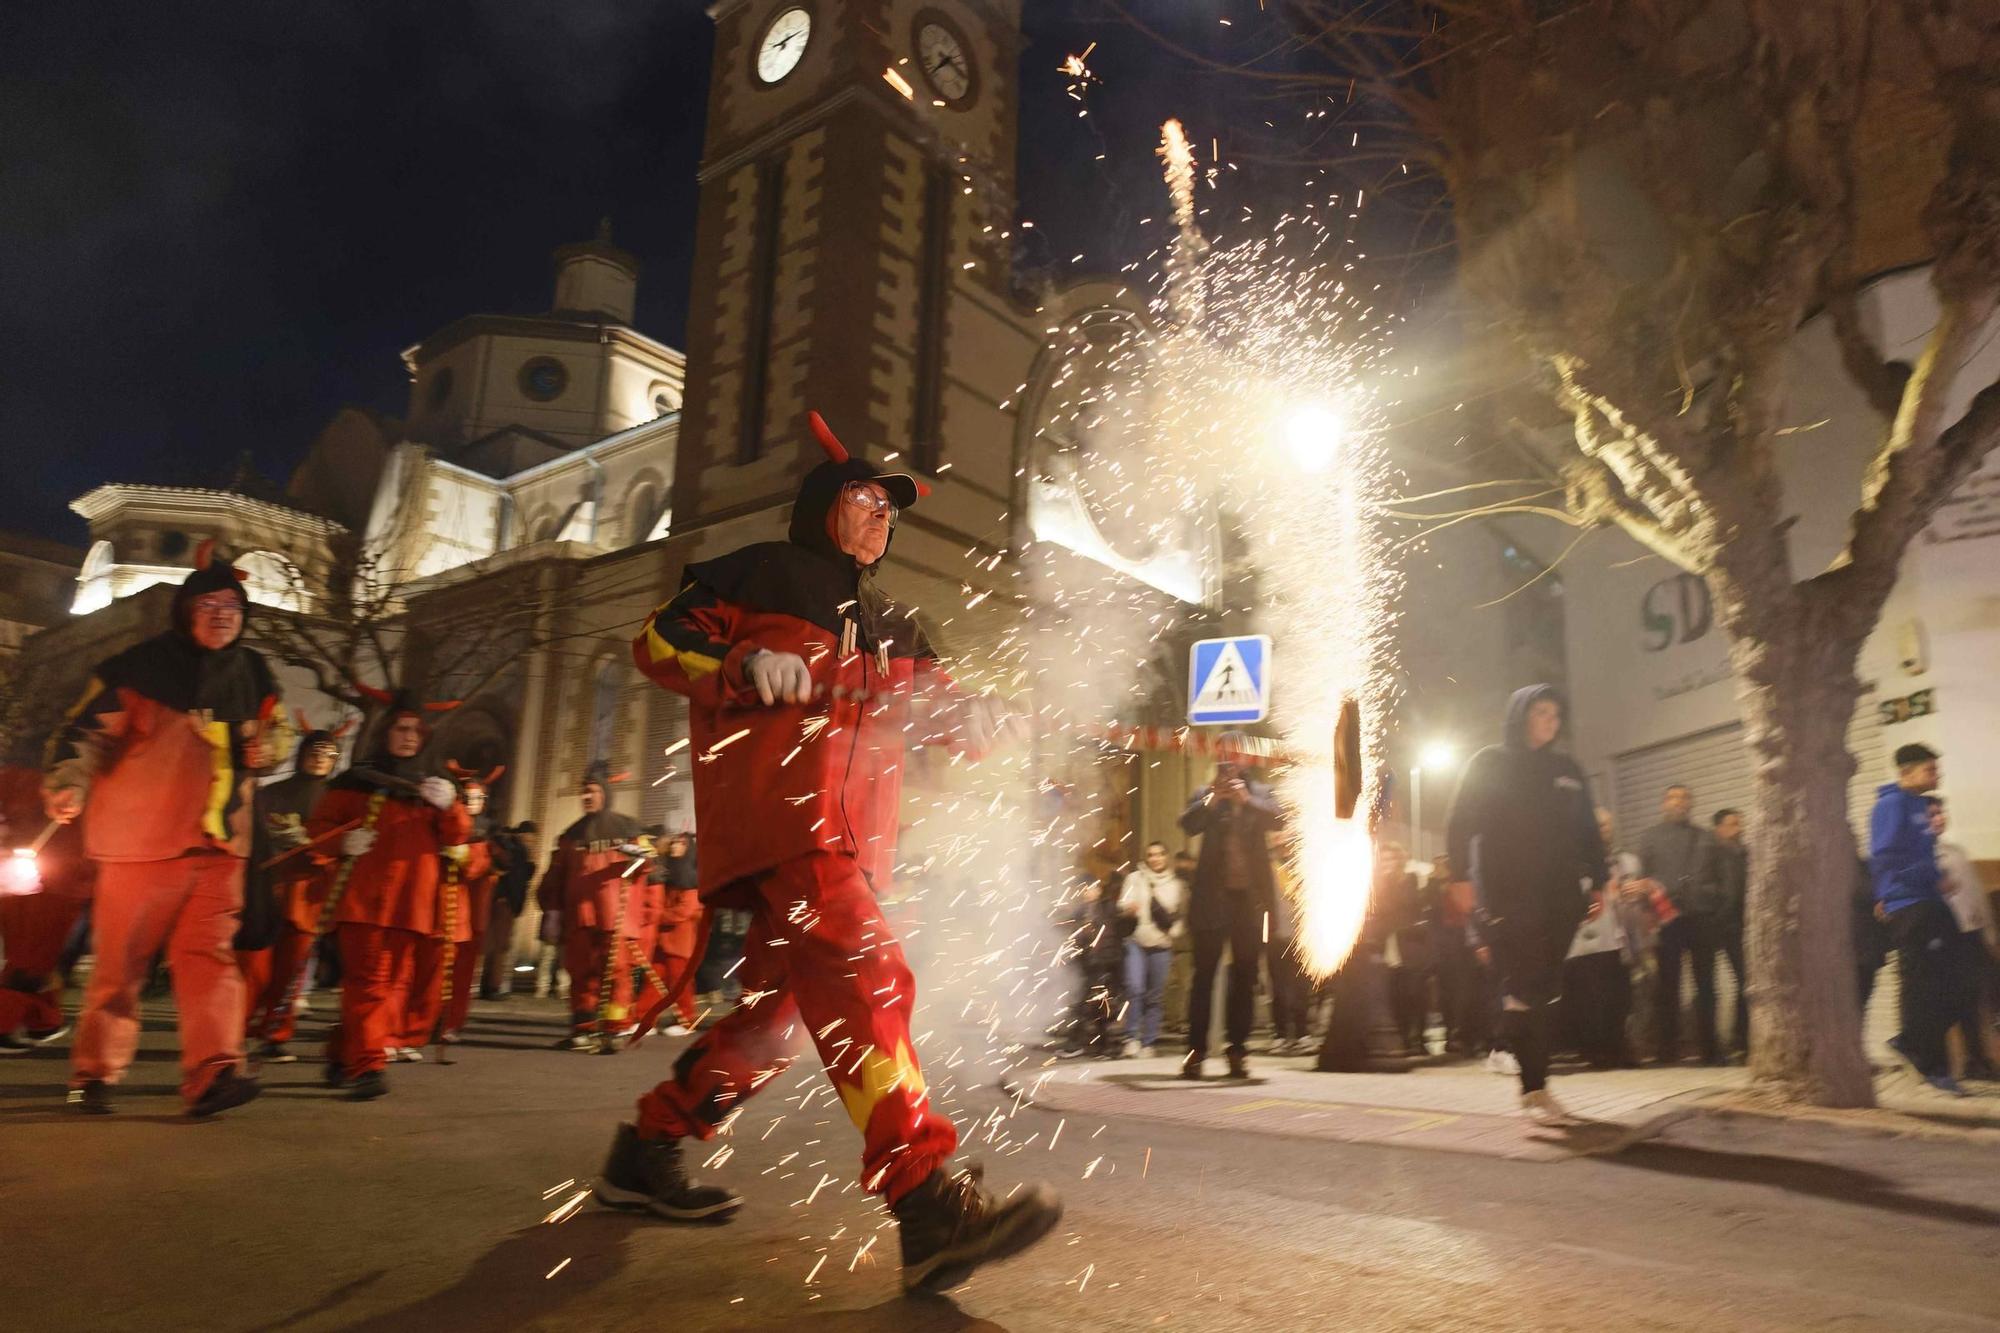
1796 700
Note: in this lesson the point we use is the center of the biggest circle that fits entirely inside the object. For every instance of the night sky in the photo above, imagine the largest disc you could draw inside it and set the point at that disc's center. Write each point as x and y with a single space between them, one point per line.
221 220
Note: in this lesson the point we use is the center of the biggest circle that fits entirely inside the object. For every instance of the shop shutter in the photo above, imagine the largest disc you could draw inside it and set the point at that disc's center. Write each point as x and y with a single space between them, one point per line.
1716 765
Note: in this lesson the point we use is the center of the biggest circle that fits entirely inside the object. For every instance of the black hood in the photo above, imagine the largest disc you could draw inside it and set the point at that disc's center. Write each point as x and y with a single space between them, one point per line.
820 491
1515 735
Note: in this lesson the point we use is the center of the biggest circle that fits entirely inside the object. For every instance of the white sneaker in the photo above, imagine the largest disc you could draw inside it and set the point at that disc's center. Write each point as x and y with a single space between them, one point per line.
1502 1062
673 1030
410 1055
451 1038
1149 1051
1132 1049
1542 1108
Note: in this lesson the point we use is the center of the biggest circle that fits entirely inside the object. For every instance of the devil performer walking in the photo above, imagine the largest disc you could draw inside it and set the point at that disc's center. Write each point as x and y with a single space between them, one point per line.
802 679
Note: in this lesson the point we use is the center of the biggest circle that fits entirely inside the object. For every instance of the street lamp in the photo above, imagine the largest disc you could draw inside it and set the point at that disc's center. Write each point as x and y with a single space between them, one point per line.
1436 755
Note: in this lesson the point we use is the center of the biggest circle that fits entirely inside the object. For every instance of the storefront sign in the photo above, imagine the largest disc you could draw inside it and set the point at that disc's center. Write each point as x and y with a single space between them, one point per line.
1920 704
1675 610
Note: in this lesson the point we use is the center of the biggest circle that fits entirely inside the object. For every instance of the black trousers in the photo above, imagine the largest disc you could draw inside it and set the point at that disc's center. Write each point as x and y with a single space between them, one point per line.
1970 966
1693 937
1243 933
1923 935
1596 998
1528 957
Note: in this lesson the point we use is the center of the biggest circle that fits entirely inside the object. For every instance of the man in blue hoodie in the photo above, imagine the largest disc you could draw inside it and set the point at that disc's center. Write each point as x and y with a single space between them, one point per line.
1902 856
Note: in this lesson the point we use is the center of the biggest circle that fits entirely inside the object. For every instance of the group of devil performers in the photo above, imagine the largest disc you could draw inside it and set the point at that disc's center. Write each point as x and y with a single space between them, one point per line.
804 682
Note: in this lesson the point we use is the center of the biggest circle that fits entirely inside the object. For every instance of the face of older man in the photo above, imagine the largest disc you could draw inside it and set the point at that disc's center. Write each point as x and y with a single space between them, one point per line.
862 518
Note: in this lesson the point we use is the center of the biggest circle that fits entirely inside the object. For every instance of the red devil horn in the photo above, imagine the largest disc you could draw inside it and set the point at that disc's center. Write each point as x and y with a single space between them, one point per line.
343 728
619 777
379 695
204 553
442 705
299 716
457 770
923 489
827 439
494 776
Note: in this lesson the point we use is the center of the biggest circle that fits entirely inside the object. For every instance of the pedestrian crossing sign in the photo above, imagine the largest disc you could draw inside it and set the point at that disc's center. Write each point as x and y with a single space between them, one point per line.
1229 680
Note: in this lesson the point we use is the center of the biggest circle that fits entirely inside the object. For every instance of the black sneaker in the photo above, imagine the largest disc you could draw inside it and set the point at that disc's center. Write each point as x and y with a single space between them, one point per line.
1191 1066
226 1090
13 1045
93 1098
1239 1067
334 1076
950 1226
369 1086
650 1174
47 1036
273 1053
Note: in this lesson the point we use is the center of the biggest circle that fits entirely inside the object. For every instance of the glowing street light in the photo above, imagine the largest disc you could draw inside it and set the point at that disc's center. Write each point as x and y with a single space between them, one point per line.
1437 756
1314 434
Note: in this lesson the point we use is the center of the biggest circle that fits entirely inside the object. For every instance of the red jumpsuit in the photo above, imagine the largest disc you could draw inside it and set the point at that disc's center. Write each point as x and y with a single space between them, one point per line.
798 810
607 903
389 907
271 976
164 744
673 946
35 926
478 876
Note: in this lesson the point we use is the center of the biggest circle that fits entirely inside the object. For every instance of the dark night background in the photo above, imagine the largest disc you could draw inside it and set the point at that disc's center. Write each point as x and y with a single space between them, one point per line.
221 220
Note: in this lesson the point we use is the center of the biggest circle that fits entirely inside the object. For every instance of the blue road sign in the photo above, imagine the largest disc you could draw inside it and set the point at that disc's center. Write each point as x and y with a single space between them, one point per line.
1229 680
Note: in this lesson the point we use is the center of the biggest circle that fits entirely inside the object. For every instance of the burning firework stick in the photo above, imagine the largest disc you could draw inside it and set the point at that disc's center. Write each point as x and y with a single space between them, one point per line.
1347 760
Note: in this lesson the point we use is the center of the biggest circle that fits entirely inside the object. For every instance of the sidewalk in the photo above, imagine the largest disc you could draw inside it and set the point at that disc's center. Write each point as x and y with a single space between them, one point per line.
1461 1107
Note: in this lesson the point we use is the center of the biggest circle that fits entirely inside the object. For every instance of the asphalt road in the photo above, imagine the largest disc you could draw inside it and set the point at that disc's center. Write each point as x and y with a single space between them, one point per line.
425 1211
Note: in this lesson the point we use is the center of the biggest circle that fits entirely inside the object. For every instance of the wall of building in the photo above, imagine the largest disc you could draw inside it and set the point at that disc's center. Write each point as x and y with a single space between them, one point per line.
1649 665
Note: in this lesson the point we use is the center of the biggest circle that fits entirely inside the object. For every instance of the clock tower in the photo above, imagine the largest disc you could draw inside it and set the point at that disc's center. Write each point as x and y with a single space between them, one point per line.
857 204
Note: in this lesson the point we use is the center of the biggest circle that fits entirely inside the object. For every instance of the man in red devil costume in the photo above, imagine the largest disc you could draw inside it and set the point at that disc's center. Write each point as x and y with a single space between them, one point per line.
609 910
478 875
801 676
41 896
393 820
679 924
297 887
163 749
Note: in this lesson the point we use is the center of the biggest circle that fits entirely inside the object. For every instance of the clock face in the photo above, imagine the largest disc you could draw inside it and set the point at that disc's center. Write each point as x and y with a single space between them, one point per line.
942 58
783 44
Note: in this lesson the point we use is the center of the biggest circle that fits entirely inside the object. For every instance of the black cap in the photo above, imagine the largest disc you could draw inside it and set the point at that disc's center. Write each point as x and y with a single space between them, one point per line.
1916 752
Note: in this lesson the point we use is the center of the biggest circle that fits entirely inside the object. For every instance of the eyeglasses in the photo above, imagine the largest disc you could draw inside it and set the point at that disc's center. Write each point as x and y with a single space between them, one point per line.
223 606
862 495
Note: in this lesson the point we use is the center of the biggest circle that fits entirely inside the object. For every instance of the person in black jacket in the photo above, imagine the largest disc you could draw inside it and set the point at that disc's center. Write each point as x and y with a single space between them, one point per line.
1235 890
1523 821
514 853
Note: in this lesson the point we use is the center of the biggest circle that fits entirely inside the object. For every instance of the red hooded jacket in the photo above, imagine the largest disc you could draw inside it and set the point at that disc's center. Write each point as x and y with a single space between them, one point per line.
774 782
396 882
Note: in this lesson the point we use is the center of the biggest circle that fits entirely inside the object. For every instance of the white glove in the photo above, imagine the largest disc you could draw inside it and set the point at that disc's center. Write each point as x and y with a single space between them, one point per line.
439 793
985 724
779 677
357 842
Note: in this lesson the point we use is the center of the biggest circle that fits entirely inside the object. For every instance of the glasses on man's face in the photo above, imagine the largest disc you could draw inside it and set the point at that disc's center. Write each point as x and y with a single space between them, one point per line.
863 496
224 607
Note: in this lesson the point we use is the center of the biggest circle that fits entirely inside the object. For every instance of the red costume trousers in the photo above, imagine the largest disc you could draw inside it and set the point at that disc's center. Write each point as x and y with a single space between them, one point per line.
670 968
271 980
376 967
465 960
190 904
426 994
33 929
820 963
585 956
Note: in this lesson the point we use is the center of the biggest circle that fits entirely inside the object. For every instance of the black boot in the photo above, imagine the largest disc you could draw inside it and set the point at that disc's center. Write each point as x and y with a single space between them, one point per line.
226 1091
649 1173
1191 1065
950 1226
1239 1067
369 1086
93 1098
